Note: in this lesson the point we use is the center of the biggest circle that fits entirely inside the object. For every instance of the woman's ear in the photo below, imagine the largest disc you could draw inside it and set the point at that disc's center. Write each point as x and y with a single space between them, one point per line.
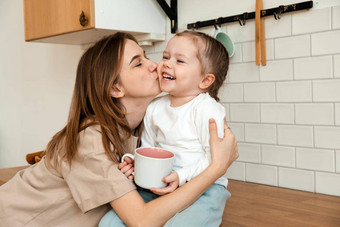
207 80
117 91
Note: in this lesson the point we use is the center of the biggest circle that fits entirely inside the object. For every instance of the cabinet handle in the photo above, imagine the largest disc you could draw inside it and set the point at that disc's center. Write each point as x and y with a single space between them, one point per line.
83 19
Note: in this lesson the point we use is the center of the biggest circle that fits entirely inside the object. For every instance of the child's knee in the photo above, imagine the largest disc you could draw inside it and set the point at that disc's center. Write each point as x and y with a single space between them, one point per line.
111 219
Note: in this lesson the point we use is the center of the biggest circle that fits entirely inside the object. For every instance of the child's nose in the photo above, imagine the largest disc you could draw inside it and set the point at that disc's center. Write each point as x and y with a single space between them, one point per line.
167 63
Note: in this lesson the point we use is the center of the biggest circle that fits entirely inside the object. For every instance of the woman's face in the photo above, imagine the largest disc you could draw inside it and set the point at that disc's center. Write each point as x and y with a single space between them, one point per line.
138 77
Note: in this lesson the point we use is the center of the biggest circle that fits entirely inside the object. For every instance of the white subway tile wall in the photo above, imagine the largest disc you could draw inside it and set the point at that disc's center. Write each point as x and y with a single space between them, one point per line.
242 33
237 58
337 164
286 115
295 135
249 152
277 71
259 92
231 93
313 21
291 106
337 114
277 113
260 133
314 113
313 68
244 72
263 174
297 179
315 159
278 28
327 137
326 43
337 66
238 130
227 111
336 17
278 155
327 183
237 171
248 51
245 112
294 91
293 46
326 90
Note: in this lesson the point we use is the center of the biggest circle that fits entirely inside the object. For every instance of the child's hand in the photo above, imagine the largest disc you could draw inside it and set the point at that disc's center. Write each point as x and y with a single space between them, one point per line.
173 182
127 168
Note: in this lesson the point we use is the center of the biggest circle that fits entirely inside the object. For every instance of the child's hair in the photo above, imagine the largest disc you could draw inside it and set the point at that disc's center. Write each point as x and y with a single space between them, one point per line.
213 56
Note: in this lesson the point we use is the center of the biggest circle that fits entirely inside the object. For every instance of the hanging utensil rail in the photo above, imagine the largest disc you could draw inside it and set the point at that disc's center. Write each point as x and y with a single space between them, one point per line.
241 18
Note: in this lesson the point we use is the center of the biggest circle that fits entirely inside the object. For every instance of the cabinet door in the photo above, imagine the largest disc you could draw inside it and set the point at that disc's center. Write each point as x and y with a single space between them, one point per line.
45 18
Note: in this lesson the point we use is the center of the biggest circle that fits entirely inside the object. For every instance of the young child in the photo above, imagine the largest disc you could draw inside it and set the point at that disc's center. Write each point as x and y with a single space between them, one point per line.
192 70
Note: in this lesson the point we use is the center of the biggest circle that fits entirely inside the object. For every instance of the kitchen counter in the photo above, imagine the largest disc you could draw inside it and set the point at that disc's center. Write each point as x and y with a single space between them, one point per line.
262 205
8 173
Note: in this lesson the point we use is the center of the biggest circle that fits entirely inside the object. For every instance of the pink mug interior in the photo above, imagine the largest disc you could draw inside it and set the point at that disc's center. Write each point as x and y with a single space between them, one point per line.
153 152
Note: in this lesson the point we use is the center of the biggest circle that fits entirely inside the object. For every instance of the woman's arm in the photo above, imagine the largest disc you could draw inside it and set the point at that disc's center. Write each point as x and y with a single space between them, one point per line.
132 209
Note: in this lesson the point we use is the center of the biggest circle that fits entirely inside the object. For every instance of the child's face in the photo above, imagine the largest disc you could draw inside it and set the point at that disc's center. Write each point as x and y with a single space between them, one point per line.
180 70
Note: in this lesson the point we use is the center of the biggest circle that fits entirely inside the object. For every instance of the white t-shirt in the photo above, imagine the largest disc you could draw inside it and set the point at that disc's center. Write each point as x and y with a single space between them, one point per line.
184 130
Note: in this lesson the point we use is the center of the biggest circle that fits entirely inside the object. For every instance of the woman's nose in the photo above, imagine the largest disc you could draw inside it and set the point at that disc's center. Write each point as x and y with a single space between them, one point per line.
153 66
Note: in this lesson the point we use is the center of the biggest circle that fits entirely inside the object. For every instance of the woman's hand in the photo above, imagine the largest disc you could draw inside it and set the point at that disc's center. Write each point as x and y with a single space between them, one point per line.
127 167
224 151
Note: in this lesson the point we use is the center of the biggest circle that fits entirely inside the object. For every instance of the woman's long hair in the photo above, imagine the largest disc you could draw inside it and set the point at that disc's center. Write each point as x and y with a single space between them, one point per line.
97 72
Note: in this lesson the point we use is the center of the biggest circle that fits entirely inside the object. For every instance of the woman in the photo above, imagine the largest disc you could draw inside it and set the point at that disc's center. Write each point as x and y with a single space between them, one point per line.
78 179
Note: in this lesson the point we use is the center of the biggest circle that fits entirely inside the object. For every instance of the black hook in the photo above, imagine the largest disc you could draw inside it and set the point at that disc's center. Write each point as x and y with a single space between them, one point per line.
239 21
244 18
219 21
277 15
215 24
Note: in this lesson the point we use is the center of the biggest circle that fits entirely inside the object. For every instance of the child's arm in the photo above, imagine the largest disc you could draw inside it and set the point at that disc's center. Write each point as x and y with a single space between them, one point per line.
127 167
172 180
202 114
187 173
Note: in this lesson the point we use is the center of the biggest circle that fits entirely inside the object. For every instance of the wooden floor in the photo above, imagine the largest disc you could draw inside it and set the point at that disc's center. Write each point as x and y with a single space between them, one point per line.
260 205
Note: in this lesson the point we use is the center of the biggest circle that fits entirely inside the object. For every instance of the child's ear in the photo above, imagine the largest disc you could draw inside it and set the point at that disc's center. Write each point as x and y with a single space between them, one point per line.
207 80
117 91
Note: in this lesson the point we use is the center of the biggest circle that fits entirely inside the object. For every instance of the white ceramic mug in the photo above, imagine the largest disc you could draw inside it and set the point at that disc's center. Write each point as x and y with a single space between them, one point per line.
224 39
151 165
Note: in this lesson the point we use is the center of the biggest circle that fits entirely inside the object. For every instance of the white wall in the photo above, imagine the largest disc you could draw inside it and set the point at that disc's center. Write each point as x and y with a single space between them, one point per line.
286 115
36 83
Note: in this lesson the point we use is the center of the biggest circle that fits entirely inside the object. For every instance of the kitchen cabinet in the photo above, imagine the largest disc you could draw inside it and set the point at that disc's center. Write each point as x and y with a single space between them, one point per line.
85 21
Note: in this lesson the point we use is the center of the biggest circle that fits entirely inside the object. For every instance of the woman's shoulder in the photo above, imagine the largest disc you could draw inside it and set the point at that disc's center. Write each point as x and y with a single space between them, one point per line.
93 130
90 138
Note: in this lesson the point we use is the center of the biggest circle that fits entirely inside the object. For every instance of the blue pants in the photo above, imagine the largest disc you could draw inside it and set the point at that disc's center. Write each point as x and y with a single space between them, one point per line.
206 211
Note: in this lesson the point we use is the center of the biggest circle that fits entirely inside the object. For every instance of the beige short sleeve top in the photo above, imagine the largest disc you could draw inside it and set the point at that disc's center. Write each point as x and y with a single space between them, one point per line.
77 196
